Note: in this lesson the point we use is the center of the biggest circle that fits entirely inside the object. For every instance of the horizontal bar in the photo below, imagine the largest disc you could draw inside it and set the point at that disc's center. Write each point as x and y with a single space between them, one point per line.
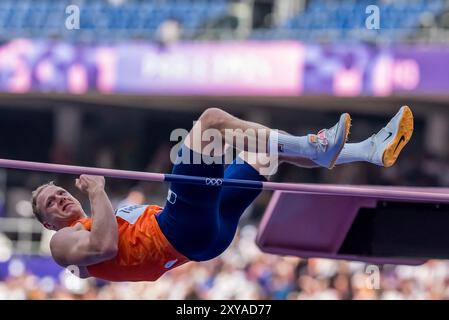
395 193
61 168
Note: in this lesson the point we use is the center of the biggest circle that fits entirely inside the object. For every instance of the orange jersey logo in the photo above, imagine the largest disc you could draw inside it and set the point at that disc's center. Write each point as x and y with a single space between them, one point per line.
144 254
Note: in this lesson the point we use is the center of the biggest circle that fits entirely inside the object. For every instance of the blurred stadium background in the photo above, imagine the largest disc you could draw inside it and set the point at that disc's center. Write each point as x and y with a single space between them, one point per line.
109 93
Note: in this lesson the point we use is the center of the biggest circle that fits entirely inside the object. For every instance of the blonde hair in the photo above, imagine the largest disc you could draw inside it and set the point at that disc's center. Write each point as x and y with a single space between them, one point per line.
37 212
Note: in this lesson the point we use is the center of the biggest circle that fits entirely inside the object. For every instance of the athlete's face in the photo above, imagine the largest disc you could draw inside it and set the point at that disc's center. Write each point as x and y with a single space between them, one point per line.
59 208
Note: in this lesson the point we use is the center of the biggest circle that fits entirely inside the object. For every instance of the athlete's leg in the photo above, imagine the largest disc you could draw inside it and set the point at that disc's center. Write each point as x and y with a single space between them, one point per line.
256 138
382 148
191 218
234 202
229 129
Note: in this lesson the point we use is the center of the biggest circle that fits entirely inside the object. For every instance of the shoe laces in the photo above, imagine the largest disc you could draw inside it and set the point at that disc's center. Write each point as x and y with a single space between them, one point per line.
320 140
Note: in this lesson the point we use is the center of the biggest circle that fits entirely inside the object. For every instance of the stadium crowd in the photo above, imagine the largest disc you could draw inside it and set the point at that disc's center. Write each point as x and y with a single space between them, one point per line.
244 272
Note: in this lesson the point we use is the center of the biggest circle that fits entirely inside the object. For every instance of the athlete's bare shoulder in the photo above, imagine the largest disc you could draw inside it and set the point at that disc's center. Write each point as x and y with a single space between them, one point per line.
65 241
65 232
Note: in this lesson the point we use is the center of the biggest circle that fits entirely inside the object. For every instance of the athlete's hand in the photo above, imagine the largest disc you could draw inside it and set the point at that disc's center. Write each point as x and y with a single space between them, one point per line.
90 184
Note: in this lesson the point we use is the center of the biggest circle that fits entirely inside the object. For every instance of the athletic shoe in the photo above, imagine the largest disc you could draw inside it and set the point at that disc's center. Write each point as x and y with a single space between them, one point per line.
392 138
330 142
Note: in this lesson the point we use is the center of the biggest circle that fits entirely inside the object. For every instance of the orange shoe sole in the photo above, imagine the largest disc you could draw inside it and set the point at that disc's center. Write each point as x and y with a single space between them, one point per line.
402 137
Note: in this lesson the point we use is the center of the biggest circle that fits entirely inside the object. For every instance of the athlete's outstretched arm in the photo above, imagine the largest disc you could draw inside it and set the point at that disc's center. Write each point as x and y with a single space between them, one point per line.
81 247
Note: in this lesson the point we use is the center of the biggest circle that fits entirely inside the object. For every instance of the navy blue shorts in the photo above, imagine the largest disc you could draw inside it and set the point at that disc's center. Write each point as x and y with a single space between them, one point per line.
200 221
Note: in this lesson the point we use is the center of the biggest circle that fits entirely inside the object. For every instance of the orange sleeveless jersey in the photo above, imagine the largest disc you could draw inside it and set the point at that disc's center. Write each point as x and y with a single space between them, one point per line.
144 253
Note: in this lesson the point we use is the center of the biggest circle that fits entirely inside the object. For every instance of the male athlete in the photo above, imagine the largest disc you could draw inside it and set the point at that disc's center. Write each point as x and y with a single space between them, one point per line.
142 242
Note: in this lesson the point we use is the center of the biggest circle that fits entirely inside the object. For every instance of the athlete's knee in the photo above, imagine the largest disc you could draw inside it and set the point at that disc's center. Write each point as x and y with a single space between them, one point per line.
213 118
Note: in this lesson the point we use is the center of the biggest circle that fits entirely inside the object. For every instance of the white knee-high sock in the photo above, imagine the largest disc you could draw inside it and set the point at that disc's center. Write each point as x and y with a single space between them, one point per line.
303 146
353 152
